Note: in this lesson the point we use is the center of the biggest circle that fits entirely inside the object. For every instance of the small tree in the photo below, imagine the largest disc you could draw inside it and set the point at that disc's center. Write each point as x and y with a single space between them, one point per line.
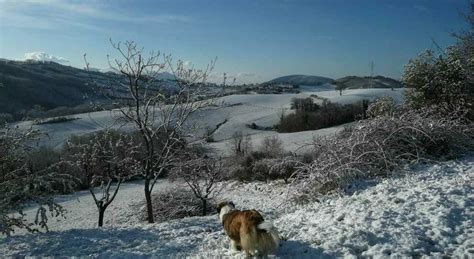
22 182
201 175
105 158
158 109
241 144
340 86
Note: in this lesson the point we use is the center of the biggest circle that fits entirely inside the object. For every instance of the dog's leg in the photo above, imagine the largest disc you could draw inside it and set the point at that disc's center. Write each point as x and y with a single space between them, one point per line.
233 245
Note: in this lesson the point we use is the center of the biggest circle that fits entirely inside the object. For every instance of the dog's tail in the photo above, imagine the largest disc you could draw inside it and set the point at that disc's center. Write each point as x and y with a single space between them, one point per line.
269 232
261 239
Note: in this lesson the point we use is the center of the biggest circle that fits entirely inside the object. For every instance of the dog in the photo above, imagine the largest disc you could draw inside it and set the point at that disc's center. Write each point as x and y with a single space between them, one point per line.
248 230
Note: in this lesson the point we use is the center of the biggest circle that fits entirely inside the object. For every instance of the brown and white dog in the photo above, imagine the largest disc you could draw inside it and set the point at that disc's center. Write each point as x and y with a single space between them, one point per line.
248 230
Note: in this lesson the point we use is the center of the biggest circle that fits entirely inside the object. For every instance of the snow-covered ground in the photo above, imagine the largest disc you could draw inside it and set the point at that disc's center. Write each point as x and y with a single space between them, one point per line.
427 211
237 111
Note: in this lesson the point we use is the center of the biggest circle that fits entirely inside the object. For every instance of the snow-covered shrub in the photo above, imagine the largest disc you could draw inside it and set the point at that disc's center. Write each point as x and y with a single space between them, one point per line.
242 167
22 182
177 203
383 144
260 169
383 106
274 168
283 168
239 173
272 146
443 80
201 175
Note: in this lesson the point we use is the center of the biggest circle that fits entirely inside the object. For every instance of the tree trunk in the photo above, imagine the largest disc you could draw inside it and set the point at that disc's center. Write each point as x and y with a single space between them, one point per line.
340 92
204 207
149 206
101 216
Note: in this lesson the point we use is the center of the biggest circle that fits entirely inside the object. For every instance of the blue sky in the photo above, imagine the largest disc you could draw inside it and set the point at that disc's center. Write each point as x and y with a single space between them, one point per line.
254 40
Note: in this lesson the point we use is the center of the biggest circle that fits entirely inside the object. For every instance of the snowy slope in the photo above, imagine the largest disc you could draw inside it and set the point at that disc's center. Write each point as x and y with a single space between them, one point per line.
237 110
428 211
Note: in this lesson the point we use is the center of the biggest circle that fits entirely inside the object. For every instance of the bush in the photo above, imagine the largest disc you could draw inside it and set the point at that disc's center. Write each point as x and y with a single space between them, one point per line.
274 169
382 145
272 146
328 115
176 203
44 157
304 104
242 166
442 81
260 170
259 166
384 106
24 181
283 169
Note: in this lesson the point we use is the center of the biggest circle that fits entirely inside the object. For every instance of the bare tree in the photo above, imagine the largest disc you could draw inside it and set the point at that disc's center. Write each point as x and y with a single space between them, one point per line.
22 182
158 110
272 146
105 158
240 143
201 175
340 86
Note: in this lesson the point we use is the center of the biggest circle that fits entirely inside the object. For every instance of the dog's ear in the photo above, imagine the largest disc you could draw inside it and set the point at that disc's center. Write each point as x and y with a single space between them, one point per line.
220 205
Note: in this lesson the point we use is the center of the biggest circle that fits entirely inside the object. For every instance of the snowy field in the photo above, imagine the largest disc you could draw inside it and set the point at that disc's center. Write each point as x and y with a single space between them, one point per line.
237 111
427 211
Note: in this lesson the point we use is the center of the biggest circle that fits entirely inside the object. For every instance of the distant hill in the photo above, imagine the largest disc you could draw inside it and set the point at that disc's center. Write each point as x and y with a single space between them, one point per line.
301 80
357 82
24 84
49 84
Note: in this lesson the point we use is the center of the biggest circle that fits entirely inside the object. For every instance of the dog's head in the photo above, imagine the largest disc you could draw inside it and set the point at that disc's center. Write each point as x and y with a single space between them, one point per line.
223 204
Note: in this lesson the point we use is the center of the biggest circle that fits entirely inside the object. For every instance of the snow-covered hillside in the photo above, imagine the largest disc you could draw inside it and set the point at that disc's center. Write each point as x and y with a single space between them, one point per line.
427 211
237 111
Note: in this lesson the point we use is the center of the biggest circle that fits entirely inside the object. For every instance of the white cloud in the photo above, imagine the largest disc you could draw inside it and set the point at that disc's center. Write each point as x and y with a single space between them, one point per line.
51 14
42 56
